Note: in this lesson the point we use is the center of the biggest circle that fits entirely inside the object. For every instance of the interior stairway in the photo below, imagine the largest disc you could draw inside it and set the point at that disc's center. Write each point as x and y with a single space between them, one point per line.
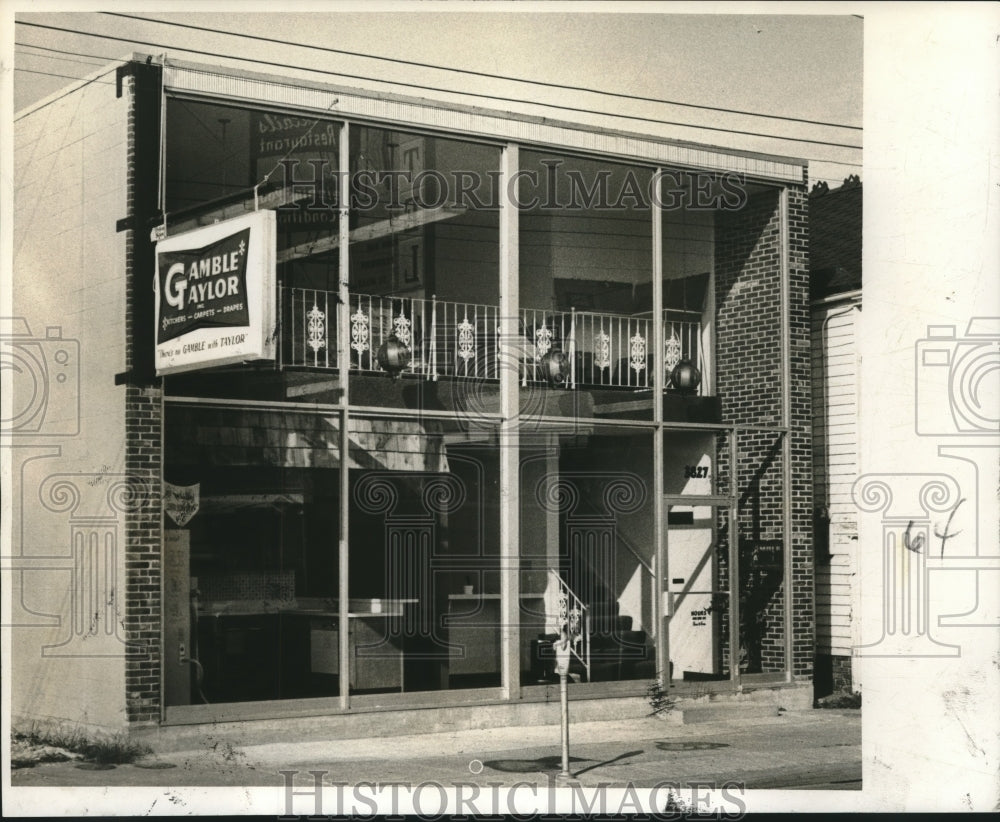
617 651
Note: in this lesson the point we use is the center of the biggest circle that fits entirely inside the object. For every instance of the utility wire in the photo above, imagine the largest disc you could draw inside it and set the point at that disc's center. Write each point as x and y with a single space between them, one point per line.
104 58
67 92
437 88
60 59
51 74
473 73
64 51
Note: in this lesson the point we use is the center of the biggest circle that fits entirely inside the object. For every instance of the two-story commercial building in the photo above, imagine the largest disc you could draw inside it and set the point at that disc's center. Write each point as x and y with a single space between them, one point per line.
356 401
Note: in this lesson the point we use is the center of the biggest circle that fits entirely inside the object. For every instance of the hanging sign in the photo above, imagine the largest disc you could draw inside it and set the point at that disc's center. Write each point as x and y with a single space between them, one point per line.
181 502
215 294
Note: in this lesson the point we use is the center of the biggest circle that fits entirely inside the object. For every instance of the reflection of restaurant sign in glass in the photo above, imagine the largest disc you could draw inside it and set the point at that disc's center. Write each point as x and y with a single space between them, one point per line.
215 294
301 153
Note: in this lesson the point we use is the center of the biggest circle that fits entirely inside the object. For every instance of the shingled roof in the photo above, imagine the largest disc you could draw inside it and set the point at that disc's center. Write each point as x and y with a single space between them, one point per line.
835 238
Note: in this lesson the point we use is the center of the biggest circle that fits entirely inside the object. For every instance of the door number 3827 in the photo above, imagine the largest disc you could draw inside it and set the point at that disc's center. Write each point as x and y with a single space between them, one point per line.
695 471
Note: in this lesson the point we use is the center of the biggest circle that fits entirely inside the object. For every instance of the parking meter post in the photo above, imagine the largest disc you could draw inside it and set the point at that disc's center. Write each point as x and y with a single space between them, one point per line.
564 702
562 668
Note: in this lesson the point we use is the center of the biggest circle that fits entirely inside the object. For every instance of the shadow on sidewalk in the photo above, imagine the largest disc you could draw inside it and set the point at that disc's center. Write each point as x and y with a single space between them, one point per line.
544 764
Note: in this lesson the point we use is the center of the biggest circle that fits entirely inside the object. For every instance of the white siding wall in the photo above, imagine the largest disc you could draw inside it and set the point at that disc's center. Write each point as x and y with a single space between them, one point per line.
69 273
835 461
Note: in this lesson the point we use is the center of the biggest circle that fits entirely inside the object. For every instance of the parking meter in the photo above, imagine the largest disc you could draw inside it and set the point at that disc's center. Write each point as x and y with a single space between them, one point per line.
562 646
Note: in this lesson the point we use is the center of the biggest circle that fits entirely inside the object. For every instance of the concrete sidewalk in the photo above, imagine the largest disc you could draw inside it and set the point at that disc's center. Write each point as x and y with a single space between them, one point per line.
794 749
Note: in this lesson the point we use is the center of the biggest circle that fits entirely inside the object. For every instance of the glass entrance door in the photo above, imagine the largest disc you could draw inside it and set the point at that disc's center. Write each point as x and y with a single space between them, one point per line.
697 577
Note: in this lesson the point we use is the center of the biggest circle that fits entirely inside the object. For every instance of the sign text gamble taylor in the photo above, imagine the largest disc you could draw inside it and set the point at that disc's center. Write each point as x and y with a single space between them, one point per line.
215 294
204 287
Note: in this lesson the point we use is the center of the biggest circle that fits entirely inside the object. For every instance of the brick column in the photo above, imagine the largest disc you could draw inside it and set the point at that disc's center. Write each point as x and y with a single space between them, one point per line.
143 400
143 603
801 493
749 383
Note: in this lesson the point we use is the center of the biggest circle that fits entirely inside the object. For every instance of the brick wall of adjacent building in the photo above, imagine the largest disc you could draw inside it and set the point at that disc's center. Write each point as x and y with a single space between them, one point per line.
833 675
841 678
749 383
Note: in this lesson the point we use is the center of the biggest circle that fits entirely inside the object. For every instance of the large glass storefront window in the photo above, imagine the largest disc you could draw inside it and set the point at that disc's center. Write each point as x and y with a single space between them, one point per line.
688 304
223 161
424 557
688 298
250 554
586 262
425 268
587 544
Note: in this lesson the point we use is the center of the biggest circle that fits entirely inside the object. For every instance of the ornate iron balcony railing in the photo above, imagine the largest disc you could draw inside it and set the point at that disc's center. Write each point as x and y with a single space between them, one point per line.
460 340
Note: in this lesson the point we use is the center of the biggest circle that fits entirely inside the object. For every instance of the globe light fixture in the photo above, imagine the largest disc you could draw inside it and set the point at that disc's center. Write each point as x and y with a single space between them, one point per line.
685 377
555 369
393 356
